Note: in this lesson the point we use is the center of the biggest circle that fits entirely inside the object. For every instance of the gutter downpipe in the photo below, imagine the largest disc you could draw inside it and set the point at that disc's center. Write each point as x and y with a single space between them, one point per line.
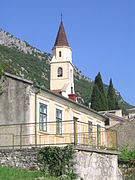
36 93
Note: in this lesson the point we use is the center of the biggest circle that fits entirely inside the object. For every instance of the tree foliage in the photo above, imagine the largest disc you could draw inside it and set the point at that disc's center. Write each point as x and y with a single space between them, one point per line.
112 102
98 98
25 65
127 154
111 96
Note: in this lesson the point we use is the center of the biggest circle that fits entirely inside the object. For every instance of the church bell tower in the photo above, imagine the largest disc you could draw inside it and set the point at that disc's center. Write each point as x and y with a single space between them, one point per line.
61 74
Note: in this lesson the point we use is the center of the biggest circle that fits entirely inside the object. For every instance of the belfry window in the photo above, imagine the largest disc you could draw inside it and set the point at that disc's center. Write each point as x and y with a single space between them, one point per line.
59 53
60 72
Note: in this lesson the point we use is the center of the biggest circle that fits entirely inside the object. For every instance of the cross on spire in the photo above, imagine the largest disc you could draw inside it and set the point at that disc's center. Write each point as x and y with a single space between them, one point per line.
61 16
61 39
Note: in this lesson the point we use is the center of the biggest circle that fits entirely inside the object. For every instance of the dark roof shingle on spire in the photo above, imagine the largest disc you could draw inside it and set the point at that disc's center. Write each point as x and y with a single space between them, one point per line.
61 39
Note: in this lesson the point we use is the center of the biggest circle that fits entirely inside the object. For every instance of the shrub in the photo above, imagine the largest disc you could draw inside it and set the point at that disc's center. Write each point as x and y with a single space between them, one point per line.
57 161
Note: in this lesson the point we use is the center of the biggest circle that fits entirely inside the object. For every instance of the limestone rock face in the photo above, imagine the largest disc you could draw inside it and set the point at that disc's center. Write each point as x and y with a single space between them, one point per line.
10 41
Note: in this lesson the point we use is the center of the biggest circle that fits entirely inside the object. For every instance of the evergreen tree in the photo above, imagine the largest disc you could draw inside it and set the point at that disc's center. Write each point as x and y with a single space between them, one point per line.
111 96
116 104
98 97
95 99
112 102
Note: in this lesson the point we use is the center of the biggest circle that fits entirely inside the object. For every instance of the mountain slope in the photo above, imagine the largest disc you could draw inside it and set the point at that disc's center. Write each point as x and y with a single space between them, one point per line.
18 57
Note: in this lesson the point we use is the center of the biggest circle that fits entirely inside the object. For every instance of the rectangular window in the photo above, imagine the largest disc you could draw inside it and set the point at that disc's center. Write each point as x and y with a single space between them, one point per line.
58 121
90 132
43 117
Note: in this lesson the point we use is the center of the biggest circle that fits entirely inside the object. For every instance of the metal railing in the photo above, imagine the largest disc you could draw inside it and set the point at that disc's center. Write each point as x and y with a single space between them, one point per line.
56 134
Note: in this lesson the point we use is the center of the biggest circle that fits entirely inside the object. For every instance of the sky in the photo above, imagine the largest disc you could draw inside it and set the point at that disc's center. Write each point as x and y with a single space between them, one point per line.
101 34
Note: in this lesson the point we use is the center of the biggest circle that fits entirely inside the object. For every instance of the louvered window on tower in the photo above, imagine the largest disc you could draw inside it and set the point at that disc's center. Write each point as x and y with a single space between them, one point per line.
60 72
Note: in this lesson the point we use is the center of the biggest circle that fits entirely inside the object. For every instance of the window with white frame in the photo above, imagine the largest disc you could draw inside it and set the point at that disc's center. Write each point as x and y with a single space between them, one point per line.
58 122
43 117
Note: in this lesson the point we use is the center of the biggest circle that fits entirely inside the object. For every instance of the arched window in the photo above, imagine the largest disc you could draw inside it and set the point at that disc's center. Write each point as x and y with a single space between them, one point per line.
60 72
59 53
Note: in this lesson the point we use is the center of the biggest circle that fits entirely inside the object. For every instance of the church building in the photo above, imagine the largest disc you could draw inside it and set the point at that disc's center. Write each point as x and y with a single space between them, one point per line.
32 115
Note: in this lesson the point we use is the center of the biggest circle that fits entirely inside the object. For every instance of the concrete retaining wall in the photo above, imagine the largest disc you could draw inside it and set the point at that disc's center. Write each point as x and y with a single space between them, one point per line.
97 165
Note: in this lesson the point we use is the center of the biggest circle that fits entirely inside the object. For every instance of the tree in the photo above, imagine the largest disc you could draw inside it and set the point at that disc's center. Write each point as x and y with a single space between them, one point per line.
111 96
116 104
95 99
112 102
98 97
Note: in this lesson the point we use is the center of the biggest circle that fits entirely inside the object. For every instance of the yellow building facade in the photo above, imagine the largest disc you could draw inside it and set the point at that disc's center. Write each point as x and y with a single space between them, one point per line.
65 121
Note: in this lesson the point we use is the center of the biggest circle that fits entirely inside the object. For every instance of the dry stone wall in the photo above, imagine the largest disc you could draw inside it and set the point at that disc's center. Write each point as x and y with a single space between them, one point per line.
128 169
21 158
126 133
90 165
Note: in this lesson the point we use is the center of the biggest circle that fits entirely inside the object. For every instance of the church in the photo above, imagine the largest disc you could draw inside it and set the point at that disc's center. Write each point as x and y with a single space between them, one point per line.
32 115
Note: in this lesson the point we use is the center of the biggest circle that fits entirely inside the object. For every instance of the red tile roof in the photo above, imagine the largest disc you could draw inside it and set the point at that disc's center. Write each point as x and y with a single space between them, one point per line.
61 39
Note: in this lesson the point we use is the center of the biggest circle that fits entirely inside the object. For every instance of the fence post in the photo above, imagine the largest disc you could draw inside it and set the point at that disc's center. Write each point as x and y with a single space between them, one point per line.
116 140
75 121
20 135
13 140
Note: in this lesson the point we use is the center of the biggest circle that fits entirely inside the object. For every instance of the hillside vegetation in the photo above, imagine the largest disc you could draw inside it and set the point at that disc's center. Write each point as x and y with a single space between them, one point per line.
19 58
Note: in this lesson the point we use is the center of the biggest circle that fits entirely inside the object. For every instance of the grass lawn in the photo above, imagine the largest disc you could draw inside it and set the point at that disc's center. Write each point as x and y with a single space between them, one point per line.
17 174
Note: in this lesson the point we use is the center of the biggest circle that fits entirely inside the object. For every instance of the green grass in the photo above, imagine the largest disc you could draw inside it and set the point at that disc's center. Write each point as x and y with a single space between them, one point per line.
7 173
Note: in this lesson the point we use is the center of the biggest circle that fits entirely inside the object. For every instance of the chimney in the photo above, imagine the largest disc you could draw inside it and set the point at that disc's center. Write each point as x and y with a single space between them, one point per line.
72 97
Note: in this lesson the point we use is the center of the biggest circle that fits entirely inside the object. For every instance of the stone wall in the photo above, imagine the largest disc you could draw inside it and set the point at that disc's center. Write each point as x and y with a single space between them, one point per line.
97 165
128 169
21 158
91 165
125 133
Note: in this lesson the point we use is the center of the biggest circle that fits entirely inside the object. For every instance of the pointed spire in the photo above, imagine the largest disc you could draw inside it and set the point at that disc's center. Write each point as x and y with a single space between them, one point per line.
61 16
61 39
